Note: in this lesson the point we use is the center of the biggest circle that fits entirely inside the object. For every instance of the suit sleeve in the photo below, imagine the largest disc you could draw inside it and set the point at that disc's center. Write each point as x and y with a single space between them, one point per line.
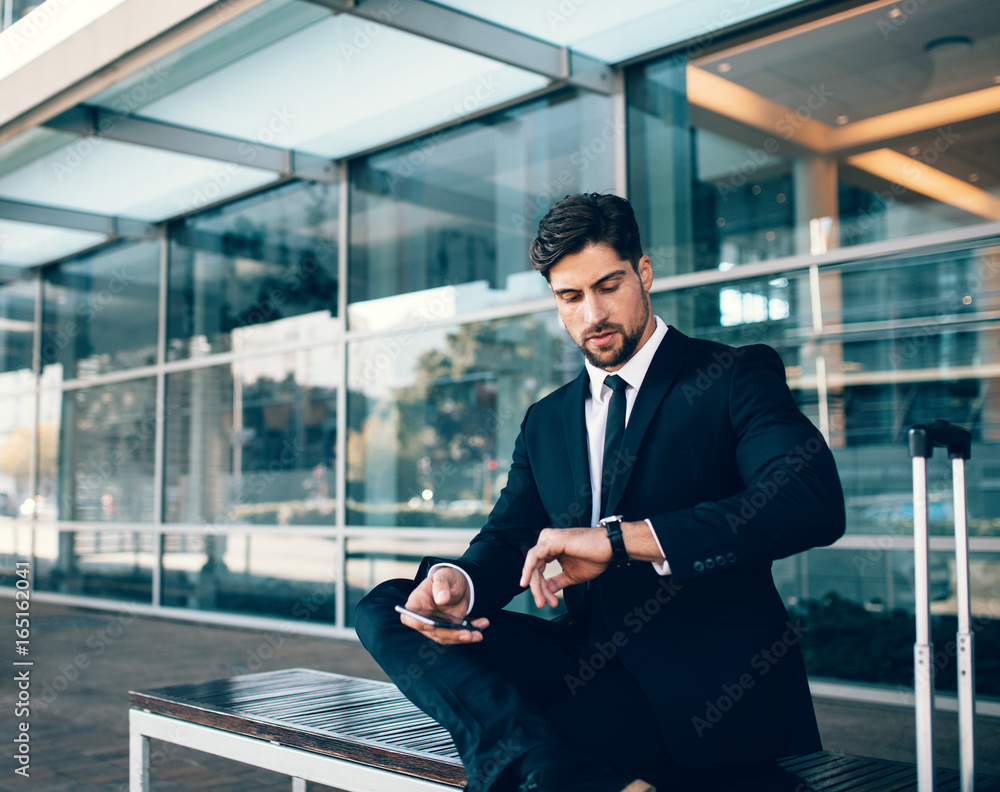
791 499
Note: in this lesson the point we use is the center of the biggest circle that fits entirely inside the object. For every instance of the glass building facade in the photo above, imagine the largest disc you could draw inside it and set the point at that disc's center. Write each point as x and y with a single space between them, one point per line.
250 383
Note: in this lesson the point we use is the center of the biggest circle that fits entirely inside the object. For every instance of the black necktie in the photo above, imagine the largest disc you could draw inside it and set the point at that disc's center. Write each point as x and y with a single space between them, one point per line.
613 433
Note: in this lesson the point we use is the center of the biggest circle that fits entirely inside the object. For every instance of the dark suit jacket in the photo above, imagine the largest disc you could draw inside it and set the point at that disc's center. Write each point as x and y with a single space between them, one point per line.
732 476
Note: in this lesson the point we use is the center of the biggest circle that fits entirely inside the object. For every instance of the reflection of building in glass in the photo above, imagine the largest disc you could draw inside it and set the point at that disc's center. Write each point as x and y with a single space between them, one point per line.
266 339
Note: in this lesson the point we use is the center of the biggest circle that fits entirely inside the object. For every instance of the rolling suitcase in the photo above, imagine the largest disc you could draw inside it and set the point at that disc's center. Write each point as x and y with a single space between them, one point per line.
923 439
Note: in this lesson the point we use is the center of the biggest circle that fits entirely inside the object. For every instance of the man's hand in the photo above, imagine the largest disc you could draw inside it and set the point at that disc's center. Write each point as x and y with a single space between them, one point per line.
583 554
444 590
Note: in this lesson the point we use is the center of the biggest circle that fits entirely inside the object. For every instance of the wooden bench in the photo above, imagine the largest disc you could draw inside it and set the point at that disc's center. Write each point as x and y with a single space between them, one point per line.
360 735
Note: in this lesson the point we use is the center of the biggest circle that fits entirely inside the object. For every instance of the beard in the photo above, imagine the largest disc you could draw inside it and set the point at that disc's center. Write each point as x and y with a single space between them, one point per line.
615 357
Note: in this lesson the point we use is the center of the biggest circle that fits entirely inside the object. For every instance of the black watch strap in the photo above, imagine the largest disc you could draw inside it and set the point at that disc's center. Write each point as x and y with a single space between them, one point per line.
613 525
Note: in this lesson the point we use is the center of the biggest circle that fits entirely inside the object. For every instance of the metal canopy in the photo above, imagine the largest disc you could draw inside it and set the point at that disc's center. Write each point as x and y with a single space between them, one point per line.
39 214
469 33
88 121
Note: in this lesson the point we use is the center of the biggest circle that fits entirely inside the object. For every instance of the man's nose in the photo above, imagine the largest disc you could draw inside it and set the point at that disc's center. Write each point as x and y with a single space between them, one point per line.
594 310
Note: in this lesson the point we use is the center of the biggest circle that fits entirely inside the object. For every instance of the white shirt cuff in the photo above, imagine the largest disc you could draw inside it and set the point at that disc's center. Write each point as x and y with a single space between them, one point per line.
472 589
661 568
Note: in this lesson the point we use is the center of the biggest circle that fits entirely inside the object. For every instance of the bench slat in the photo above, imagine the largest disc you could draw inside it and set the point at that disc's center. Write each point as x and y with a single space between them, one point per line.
362 720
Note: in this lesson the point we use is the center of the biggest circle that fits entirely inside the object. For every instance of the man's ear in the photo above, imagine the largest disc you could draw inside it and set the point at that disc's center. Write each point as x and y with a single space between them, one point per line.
646 272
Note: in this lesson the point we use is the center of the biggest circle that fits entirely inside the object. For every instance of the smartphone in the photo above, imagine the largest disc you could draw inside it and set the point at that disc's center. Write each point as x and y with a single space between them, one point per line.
438 619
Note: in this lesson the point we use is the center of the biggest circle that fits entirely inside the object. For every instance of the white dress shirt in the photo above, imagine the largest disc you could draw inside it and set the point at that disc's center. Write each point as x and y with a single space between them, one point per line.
596 411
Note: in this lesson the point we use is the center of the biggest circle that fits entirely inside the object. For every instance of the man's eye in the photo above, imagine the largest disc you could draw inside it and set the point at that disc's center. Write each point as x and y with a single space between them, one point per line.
611 288
570 298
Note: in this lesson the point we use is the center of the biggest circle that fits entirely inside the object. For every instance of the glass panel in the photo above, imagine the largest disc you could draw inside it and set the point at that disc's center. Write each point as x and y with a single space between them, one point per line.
612 31
856 607
15 550
25 244
106 453
433 416
798 150
771 310
99 175
50 410
379 84
17 334
372 559
270 260
108 564
99 312
267 574
244 34
660 167
253 443
917 314
17 418
782 147
446 221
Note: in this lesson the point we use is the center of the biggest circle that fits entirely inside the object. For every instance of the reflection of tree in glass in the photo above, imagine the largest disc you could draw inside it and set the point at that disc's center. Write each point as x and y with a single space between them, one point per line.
459 417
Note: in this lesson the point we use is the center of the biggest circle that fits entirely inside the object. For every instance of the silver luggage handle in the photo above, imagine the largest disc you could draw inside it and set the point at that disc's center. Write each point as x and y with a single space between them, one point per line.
923 439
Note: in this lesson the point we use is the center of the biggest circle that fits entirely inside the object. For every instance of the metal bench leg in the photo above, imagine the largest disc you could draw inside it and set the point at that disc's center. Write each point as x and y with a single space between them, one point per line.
298 785
138 762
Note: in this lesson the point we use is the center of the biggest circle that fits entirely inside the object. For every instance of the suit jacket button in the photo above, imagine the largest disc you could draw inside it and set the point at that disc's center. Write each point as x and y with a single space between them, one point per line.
709 563
720 560
731 557
698 566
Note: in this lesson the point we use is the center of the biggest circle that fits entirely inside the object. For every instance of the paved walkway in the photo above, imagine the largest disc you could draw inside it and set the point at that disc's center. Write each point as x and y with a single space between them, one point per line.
86 662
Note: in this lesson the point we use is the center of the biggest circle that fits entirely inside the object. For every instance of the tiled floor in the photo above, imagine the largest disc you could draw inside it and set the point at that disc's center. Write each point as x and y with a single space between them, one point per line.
85 662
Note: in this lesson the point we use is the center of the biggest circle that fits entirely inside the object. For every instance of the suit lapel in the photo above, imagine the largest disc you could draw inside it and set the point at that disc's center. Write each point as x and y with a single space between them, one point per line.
663 369
575 425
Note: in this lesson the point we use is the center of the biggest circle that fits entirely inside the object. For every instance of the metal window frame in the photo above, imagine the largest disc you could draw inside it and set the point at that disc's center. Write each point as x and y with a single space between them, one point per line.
481 37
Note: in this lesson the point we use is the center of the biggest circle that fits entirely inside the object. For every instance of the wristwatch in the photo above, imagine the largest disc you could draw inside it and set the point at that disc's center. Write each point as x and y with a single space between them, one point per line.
613 525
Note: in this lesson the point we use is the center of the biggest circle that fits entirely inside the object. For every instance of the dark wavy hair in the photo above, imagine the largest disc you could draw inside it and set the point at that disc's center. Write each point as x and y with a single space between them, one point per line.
578 221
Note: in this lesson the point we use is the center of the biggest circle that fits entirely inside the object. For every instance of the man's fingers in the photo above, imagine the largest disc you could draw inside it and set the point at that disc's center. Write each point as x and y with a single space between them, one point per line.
446 636
536 588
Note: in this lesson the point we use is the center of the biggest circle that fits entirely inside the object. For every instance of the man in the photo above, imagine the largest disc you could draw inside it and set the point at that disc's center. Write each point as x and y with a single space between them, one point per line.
676 654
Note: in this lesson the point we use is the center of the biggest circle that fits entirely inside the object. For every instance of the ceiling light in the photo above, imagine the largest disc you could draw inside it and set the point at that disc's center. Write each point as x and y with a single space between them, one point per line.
973 177
896 13
842 119
913 150
725 67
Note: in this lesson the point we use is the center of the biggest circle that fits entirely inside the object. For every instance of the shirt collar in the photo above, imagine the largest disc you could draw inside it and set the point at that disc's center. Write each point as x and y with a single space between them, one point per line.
634 370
